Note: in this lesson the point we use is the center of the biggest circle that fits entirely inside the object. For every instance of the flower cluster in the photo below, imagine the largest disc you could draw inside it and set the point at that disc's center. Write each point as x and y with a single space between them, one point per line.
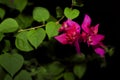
73 34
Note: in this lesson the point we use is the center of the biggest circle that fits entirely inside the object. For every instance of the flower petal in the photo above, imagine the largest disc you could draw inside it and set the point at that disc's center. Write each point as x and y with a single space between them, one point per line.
95 39
95 29
67 25
100 51
62 38
86 23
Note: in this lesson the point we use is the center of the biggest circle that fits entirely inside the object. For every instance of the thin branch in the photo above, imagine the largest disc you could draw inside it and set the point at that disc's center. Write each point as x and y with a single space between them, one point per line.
31 28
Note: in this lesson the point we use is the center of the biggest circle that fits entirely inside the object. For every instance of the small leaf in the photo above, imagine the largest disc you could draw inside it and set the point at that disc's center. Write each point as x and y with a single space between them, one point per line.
111 51
11 62
55 68
79 70
69 76
1 36
2 13
8 25
24 21
22 43
20 4
8 77
59 12
40 14
23 75
77 3
71 14
52 29
36 36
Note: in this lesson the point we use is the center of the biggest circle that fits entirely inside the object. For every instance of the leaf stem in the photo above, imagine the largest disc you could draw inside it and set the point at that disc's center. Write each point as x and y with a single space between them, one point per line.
31 28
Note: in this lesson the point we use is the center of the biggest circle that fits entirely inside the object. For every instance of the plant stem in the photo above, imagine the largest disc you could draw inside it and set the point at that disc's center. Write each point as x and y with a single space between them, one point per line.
31 28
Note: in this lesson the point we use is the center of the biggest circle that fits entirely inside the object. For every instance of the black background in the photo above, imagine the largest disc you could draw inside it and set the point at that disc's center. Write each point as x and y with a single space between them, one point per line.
106 13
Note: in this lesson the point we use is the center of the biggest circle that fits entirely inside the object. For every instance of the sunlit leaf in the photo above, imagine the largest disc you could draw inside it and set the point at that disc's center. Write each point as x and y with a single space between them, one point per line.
36 36
71 14
40 14
8 25
52 29
11 62
22 43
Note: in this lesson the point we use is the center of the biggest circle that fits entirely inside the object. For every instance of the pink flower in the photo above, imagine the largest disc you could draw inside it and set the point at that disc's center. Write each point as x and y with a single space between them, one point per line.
70 35
91 36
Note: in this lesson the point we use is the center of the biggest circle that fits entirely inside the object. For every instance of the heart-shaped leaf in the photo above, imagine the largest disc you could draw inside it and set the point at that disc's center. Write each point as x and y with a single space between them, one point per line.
36 36
8 25
71 14
20 4
52 29
23 75
40 14
22 43
11 62
79 70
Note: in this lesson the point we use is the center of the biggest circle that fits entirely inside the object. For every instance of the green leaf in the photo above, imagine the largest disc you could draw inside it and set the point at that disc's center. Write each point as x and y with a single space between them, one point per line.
15 4
52 29
23 75
51 18
36 37
20 4
8 77
69 76
42 72
59 12
2 13
8 25
24 21
71 14
79 70
55 68
111 51
11 62
77 3
40 14
1 36
22 43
